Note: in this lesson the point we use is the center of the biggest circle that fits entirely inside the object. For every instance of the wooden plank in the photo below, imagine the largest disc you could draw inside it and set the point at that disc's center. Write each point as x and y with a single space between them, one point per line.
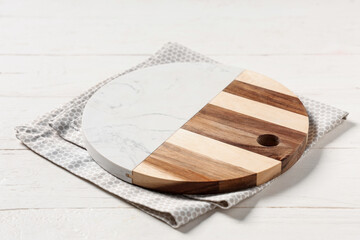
54 76
124 223
53 30
260 94
261 111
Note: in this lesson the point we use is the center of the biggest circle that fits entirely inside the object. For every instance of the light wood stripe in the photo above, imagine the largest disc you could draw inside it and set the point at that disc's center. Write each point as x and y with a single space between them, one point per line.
261 111
265 167
263 95
162 183
147 168
168 165
260 80
171 170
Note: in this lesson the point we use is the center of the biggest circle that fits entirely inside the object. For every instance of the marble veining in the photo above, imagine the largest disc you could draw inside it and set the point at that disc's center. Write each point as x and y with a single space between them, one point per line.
128 118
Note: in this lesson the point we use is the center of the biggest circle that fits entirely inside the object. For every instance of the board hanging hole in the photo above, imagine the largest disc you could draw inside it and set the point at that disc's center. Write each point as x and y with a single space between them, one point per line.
268 140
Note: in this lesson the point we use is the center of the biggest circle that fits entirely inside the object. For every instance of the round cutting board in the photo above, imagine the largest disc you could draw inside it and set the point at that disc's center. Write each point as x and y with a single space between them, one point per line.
195 128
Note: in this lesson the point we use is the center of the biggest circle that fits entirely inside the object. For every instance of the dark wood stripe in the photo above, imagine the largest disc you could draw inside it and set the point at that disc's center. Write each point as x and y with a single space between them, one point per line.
242 131
266 96
193 166
200 174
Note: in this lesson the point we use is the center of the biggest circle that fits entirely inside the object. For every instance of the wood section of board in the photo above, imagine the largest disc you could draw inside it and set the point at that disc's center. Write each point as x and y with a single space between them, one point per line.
252 131
266 96
261 111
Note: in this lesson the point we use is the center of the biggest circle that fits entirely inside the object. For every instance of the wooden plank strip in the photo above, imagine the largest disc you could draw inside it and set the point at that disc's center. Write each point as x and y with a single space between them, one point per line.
150 168
260 80
266 168
263 95
262 111
248 123
175 157
143 178
242 131
168 165
174 169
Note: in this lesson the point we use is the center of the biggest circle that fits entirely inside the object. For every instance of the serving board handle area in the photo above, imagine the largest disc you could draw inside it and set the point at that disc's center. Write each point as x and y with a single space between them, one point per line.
241 132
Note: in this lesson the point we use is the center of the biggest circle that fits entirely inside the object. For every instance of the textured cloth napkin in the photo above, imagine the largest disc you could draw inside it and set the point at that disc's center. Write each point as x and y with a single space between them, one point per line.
57 137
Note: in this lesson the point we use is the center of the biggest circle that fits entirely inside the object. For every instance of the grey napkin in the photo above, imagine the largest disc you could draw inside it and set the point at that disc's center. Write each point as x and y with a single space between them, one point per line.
56 136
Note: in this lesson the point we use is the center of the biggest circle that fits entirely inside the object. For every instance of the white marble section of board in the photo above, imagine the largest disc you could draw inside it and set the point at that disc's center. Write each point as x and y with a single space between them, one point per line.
128 118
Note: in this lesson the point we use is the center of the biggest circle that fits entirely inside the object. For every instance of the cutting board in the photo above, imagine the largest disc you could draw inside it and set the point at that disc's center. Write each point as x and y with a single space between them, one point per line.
195 128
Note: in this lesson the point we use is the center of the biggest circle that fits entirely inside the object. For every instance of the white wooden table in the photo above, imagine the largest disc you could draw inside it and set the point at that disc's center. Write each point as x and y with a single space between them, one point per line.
51 51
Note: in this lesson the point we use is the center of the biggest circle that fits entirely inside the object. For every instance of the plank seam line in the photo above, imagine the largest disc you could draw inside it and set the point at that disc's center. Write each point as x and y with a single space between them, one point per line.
130 207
